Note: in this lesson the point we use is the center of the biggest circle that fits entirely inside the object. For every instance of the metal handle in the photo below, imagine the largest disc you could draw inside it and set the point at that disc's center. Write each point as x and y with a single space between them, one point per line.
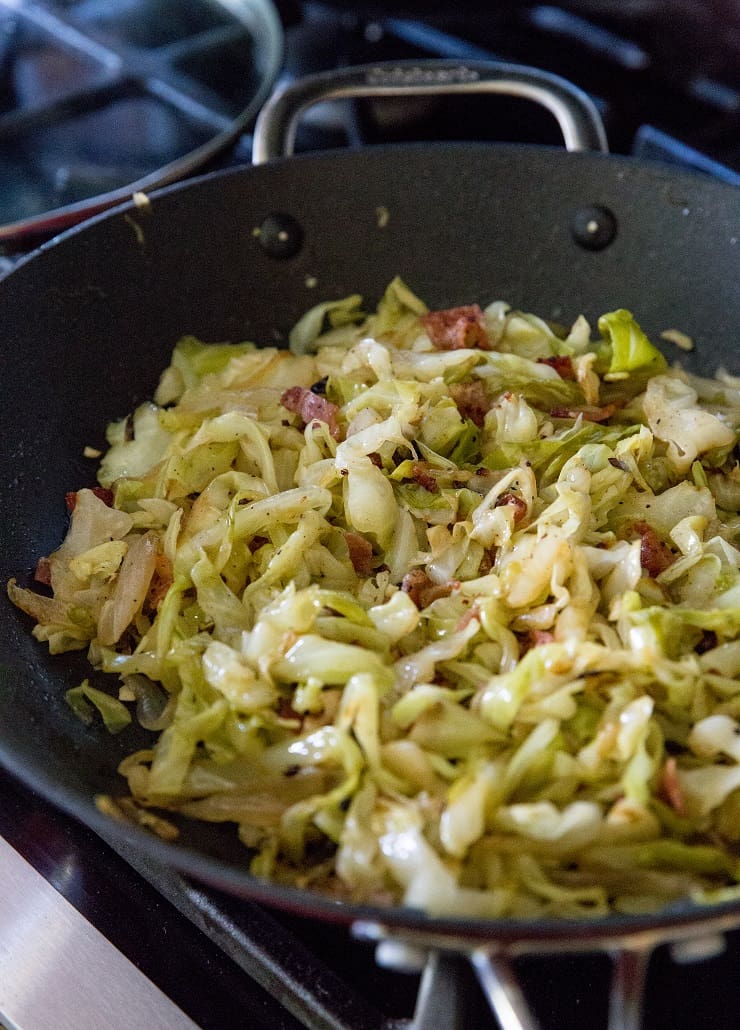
440 1003
629 973
576 114
503 991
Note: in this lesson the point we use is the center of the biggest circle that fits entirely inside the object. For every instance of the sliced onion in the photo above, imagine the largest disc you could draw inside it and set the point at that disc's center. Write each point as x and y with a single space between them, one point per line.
130 590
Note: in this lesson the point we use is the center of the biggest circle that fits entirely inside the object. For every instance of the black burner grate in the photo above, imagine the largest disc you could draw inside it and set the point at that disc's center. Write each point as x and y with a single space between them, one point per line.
665 74
99 99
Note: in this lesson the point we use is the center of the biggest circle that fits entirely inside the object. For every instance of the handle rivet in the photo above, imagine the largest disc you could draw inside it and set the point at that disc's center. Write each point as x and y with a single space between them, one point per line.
279 235
594 227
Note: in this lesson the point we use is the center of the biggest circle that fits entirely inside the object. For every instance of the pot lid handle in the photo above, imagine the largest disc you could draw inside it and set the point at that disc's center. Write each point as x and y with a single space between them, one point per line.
575 112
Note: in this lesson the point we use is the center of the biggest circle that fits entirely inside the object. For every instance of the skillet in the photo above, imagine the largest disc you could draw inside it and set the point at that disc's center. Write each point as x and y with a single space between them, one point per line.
89 320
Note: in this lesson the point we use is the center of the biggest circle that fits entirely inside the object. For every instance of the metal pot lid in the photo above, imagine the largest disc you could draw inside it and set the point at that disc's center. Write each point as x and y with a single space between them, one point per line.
101 100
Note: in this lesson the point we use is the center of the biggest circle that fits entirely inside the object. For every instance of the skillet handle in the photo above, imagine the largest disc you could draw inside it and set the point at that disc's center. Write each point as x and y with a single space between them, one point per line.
576 114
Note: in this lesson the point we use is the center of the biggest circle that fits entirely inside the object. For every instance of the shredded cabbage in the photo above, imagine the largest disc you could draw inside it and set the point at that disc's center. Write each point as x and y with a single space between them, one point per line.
439 608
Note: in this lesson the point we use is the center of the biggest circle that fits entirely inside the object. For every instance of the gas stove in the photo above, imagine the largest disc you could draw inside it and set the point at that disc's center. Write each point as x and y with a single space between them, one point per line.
169 953
172 953
98 100
665 74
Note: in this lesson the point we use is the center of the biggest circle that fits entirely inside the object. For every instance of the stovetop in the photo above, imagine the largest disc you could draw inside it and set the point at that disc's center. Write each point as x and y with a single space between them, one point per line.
665 74
665 78
100 99
194 967
227 962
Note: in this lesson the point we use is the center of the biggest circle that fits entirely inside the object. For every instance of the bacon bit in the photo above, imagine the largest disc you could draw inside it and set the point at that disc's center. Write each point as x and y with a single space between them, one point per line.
101 492
519 506
438 590
562 364
655 556
472 613
287 711
311 407
542 636
421 474
422 590
376 459
313 721
589 412
43 572
360 553
471 400
309 722
413 583
707 643
161 582
455 328
533 638
670 787
487 561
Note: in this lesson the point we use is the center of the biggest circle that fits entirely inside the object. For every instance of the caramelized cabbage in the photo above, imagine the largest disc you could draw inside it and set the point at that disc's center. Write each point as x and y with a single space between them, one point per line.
453 624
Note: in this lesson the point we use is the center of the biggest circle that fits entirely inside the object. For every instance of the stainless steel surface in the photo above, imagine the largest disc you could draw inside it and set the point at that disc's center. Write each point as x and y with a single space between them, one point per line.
440 1002
630 953
175 119
628 988
583 937
57 972
574 111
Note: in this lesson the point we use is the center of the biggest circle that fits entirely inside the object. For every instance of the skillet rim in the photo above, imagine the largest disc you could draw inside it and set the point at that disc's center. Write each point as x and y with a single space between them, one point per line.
662 170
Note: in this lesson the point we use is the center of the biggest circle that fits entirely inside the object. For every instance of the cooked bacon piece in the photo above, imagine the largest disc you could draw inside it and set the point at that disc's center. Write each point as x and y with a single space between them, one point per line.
590 412
473 612
313 721
309 722
422 590
454 328
655 556
421 474
519 506
670 787
707 643
487 561
360 553
286 710
311 407
413 583
43 572
472 400
102 492
541 636
161 582
562 364
533 638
